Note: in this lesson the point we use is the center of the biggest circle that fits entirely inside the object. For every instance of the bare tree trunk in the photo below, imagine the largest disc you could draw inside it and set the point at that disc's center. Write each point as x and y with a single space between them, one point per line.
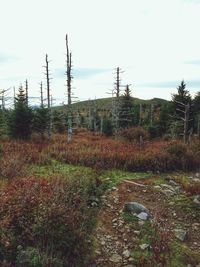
14 93
48 97
26 90
41 96
69 92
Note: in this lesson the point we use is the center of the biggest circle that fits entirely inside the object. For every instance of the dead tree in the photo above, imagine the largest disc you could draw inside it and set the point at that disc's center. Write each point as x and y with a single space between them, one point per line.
14 94
116 102
69 92
47 74
26 91
41 96
185 118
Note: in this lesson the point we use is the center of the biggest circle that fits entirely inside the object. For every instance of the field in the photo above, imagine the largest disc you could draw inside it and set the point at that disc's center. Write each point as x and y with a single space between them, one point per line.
62 204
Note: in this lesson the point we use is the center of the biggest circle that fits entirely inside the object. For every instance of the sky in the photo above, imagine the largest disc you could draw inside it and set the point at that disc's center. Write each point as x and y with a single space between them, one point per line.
156 43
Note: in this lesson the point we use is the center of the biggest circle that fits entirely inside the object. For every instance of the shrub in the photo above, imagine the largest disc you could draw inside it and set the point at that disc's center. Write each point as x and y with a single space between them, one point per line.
46 221
11 165
182 157
134 133
107 127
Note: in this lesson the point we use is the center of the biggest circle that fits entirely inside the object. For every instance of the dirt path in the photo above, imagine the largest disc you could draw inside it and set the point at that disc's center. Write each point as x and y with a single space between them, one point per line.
118 238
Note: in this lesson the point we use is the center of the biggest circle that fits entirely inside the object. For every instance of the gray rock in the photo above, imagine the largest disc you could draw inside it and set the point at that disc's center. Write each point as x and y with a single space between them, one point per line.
196 200
143 216
126 253
144 246
169 192
197 175
116 258
157 187
137 232
180 234
135 207
172 182
167 186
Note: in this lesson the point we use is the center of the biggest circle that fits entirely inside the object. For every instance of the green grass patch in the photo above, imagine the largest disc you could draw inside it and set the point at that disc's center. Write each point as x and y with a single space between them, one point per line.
115 177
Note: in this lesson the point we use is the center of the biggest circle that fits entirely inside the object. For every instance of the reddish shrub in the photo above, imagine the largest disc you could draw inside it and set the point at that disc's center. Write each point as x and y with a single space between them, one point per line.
52 216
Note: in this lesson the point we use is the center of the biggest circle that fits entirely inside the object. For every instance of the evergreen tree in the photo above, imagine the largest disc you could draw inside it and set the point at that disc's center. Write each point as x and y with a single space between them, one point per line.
21 117
182 103
126 116
41 120
183 96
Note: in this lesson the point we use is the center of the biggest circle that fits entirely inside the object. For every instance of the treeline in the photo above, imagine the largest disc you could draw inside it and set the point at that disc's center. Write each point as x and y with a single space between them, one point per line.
177 118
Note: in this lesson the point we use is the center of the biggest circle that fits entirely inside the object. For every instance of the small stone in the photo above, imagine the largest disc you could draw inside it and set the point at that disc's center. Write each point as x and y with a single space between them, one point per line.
141 223
143 216
197 175
116 258
114 188
172 182
135 207
180 234
144 246
98 252
126 253
136 232
157 187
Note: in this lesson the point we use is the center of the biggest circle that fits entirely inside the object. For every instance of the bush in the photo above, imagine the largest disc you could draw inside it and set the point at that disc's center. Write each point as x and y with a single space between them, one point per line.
182 157
107 127
134 133
45 222
11 165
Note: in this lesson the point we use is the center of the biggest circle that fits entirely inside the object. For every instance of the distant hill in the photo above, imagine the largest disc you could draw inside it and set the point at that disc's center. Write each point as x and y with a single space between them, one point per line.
106 103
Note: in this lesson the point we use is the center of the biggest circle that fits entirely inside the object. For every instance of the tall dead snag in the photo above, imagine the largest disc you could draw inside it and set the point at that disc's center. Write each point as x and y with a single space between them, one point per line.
14 94
26 91
48 97
41 96
116 102
185 118
69 92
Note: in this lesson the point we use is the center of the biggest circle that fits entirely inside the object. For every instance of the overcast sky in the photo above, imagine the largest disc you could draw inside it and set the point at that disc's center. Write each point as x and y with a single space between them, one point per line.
155 42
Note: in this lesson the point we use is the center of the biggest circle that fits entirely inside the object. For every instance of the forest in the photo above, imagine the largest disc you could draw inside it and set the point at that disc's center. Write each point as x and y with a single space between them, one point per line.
104 182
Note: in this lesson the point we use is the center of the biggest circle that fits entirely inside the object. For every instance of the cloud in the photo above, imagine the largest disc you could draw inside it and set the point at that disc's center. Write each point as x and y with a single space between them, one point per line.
193 62
171 84
81 73
4 58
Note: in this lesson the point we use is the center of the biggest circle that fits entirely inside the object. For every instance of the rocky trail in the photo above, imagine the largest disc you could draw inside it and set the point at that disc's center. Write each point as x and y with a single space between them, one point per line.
165 232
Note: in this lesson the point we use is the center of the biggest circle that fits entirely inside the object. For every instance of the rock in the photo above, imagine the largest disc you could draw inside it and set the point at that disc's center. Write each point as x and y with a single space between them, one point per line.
116 258
114 188
141 223
196 180
98 252
197 175
135 207
144 246
172 182
157 187
180 234
136 232
126 253
143 216
169 192
167 186
196 200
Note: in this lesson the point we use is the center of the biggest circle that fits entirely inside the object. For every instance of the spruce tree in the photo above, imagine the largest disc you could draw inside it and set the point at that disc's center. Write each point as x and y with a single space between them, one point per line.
21 117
